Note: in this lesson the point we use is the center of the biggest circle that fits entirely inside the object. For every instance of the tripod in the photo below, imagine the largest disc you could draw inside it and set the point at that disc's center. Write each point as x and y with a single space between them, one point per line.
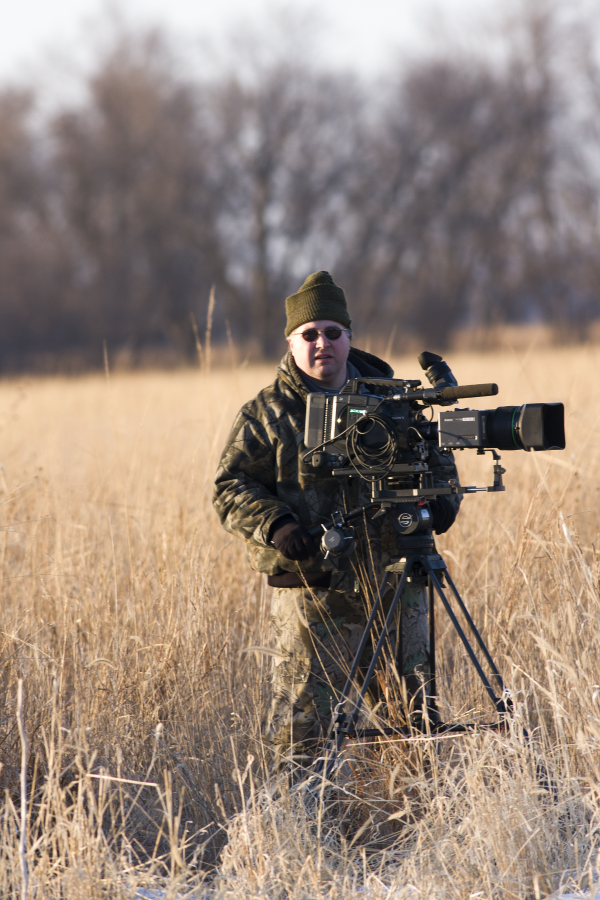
420 558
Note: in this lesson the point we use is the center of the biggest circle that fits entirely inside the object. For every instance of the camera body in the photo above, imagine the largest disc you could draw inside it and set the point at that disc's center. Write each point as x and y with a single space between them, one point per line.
369 417
331 419
382 430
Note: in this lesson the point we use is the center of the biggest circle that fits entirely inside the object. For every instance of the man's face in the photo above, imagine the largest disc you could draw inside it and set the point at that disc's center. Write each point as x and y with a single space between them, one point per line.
323 359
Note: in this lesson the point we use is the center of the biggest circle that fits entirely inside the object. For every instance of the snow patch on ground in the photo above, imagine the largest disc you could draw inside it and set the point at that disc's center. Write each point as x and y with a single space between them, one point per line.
577 895
363 892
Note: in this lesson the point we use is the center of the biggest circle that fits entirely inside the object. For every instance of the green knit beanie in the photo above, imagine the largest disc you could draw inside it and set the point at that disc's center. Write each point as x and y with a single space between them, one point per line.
318 298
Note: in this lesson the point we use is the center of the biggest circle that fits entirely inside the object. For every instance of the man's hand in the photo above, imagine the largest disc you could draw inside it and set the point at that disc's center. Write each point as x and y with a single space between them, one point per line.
293 540
443 514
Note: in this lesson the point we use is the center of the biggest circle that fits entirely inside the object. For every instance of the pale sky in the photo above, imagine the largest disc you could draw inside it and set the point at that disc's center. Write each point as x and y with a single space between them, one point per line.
361 33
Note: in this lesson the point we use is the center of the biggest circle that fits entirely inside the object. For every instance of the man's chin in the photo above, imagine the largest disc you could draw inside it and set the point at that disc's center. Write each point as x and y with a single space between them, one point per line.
321 373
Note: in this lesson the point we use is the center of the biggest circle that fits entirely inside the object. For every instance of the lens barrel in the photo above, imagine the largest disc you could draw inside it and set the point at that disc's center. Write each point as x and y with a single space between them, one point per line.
533 426
499 428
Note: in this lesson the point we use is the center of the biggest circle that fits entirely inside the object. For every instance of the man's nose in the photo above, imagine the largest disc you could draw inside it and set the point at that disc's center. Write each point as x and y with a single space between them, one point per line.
322 340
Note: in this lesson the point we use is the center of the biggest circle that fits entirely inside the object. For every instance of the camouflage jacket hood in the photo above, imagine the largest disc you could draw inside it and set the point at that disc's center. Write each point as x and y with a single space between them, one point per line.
262 477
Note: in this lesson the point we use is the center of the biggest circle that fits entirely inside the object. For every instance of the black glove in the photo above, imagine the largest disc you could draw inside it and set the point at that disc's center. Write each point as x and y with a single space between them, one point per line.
443 514
293 540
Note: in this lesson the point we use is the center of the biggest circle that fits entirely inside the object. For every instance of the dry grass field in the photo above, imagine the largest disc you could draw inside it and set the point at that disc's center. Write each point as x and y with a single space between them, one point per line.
126 611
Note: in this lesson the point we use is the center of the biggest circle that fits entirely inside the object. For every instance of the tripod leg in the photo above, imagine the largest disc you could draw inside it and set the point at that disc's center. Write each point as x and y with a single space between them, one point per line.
497 701
339 710
376 654
400 645
476 634
345 723
339 715
432 672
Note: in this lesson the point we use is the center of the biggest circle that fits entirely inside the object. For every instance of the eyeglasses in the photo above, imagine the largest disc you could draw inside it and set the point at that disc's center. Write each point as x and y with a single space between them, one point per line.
331 333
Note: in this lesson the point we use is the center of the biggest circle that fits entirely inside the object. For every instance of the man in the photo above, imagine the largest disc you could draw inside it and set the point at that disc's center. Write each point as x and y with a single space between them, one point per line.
269 496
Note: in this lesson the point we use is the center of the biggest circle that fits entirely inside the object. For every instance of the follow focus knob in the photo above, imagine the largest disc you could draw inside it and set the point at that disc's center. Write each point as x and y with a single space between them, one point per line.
338 541
333 540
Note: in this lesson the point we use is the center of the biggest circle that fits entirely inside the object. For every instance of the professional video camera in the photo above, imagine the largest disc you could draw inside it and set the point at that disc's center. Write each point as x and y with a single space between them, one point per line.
381 430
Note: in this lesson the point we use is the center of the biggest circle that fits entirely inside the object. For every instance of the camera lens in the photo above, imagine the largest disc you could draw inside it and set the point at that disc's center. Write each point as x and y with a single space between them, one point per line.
533 426
500 430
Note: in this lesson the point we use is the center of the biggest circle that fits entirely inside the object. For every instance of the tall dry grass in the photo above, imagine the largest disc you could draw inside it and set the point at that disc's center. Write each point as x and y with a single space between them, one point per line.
126 611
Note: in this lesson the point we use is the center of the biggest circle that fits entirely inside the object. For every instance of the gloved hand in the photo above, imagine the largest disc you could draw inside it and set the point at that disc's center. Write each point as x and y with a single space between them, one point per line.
443 514
293 540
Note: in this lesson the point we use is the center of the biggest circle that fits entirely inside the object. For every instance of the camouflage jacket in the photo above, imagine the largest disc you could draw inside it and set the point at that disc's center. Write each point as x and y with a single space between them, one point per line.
262 477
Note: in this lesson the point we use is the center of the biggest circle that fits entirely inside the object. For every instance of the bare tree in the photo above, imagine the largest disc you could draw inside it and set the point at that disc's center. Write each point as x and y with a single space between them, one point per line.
455 179
138 198
285 139
33 269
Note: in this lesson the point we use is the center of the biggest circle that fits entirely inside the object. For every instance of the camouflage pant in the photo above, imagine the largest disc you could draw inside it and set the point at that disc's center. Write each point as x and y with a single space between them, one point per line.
315 636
